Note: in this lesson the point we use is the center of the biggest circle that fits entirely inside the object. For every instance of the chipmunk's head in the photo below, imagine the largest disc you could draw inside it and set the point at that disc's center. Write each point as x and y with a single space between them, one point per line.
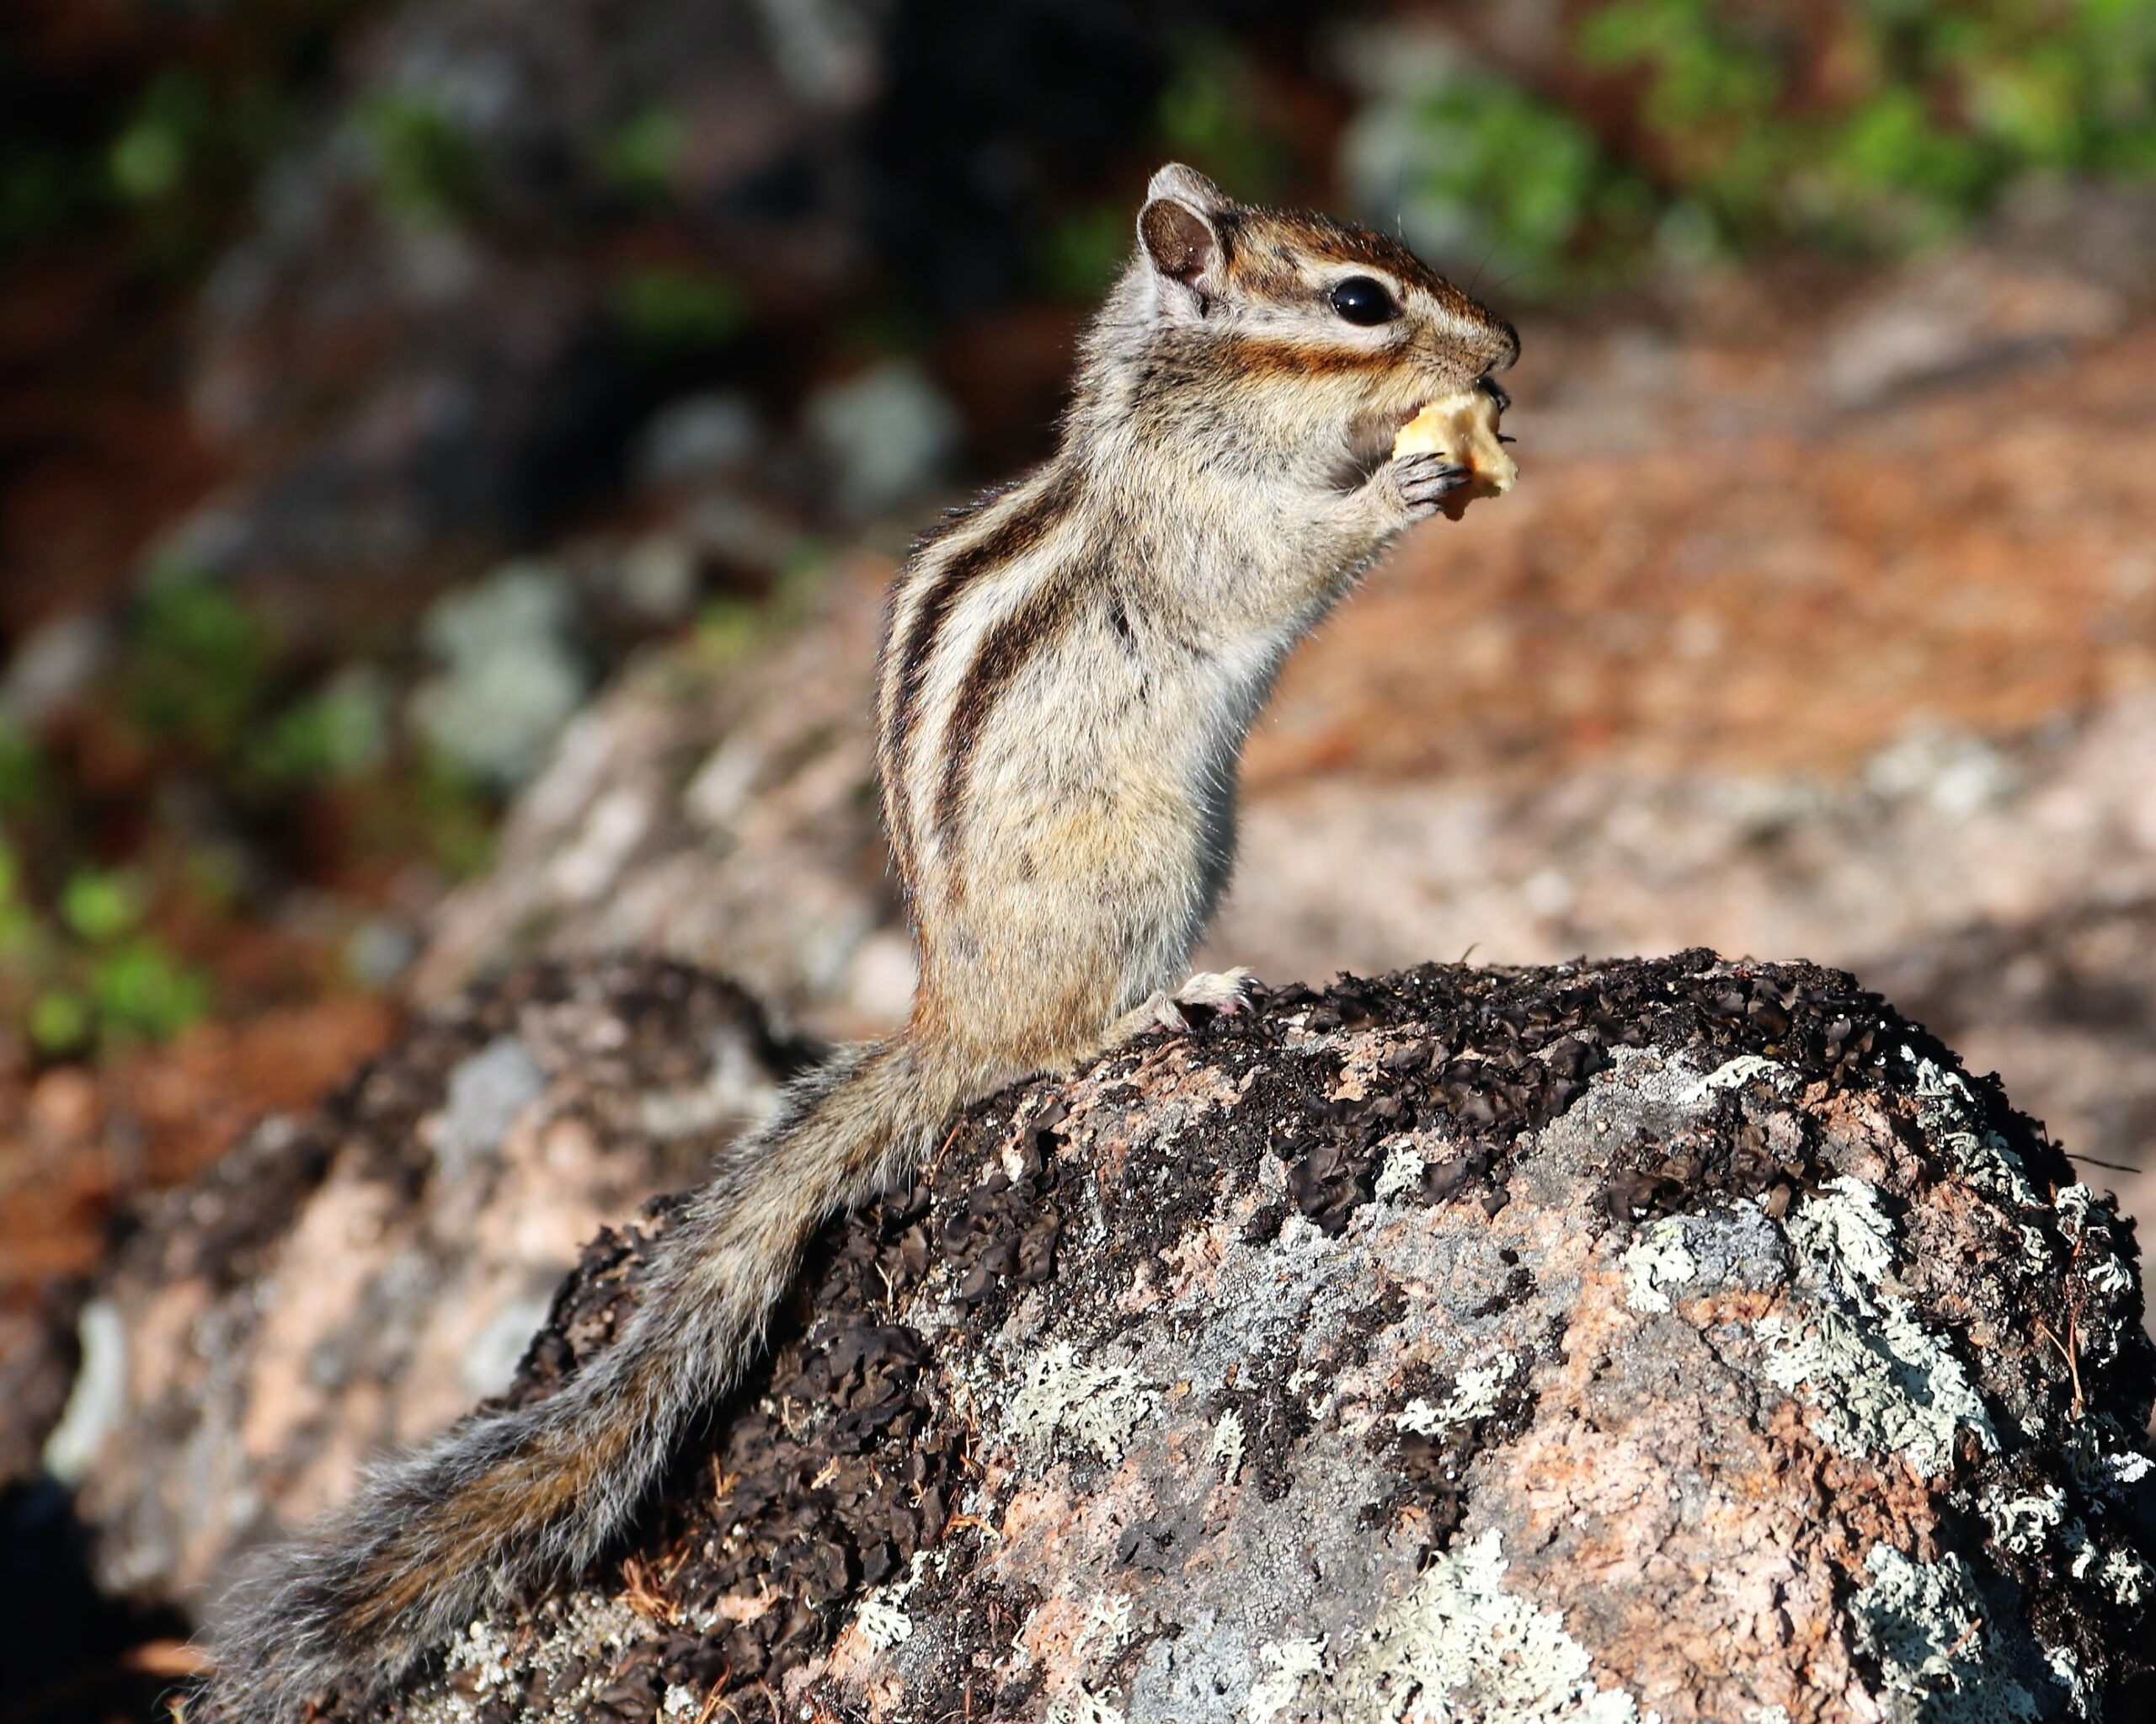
1333 337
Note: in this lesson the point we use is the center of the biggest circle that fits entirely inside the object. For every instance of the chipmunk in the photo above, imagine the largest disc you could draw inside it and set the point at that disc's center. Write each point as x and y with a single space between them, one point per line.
1070 668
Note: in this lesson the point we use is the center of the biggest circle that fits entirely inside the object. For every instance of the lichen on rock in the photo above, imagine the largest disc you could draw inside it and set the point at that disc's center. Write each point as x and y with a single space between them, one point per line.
1720 1351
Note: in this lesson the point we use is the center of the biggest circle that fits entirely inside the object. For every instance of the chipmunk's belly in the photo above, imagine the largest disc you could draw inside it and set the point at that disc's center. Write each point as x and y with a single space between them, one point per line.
1102 835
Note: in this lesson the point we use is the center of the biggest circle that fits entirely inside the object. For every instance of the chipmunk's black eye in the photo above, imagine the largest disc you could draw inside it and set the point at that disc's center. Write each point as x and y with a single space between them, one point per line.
1360 300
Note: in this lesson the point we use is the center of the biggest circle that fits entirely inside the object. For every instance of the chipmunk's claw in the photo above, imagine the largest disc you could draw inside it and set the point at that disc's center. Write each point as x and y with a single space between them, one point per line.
1415 487
1226 992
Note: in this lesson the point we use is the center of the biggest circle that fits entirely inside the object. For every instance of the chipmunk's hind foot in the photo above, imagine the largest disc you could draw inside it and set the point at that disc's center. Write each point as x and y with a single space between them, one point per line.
1226 992
1222 990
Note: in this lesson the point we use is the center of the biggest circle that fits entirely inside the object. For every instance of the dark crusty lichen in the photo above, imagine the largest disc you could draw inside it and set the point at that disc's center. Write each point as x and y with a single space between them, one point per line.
1671 1337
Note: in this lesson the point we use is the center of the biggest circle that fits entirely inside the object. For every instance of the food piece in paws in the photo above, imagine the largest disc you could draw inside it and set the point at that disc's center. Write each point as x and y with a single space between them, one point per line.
1463 428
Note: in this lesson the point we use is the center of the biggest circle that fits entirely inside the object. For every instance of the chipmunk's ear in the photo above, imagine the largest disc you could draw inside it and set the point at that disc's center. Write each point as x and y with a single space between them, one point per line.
1177 227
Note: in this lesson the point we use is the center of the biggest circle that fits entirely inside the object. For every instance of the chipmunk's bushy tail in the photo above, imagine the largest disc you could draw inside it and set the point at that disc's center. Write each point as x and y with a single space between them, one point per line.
508 1497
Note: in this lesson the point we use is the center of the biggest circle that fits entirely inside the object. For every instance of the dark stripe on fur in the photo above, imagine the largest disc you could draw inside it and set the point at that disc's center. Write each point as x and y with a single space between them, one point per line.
1002 656
887 653
1257 359
909 657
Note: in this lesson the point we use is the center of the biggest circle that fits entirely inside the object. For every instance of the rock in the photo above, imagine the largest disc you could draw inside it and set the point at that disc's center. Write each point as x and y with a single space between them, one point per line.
520 232
427 340
699 437
1672 1339
1977 311
352 1280
2067 999
53 668
510 678
885 436
719 813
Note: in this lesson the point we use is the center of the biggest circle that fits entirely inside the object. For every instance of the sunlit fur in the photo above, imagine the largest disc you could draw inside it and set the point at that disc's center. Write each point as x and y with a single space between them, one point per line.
1069 672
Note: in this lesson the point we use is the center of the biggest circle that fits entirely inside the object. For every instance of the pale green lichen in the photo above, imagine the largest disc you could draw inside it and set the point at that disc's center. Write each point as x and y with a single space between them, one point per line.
1843 1238
2127 1577
1476 1393
882 1620
1402 1172
1419 1416
1099 1405
1882 1382
2066 1672
2073 1203
1079 1705
1459 1645
1228 1445
1937 1661
2036 1249
1289 1665
581 1631
1735 1074
2121 1573
1320 1406
1106 1625
2022 1521
2077 1206
2109 1277
884 1624
1457 1649
1992 1163
1881 1385
1657 1261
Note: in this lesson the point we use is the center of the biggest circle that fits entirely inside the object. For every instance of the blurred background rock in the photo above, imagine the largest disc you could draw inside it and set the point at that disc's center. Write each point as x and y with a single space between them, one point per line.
453 452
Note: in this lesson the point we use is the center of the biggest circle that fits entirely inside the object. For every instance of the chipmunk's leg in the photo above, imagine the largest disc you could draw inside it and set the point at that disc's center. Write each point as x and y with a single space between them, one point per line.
1226 992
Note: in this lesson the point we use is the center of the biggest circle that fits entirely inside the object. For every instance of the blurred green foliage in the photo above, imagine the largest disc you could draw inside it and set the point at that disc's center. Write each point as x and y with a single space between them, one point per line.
641 157
674 312
1083 248
1702 127
331 735
1212 114
172 128
436 808
150 120
427 168
733 628
92 976
23 777
198 692
196 663
201 674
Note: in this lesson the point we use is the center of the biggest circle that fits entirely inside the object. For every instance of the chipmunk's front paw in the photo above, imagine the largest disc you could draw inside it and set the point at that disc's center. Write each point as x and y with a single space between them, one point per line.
1415 486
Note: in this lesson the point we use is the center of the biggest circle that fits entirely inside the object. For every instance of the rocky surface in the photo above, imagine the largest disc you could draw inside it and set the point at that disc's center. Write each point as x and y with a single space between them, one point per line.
1677 1338
423 344
353 1280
